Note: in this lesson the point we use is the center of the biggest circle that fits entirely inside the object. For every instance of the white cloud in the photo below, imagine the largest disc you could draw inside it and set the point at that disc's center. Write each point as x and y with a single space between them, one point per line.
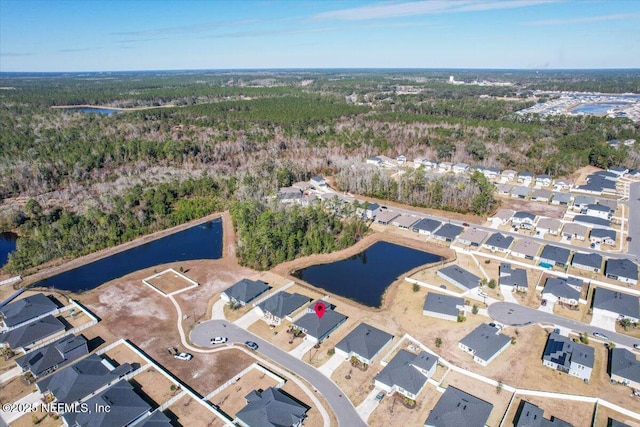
585 19
395 10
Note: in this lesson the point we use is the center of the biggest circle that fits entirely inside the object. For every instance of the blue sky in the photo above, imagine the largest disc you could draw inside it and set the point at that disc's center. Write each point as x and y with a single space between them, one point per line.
101 35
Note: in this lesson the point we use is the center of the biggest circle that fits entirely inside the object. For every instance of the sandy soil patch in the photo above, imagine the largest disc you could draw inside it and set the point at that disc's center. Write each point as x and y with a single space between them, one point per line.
15 389
354 382
391 410
537 208
187 412
77 319
579 177
154 385
604 413
576 413
169 282
232 399
43 420
121 354
578 313
278 335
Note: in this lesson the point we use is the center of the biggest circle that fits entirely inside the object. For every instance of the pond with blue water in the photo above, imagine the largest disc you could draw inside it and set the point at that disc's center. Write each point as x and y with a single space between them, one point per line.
364 277
7 245
202 241
93 110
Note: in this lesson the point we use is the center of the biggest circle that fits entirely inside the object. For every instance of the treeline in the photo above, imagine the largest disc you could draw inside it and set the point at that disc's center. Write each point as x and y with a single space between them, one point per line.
61 233
269 235
457 193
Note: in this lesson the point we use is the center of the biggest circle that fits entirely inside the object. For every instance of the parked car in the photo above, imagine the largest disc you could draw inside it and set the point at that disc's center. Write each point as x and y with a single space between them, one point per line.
629 238
599 335
251 345
556 331
593 245
380 395
543 302
219 340
183 356
465 224
636 346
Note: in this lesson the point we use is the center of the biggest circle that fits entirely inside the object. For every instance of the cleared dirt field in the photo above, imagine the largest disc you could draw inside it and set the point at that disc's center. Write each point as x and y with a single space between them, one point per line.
604 413
169 282
232 399
576 413
122 354
538 208
391 410
187 412
43 420
154 385
15 389
356 383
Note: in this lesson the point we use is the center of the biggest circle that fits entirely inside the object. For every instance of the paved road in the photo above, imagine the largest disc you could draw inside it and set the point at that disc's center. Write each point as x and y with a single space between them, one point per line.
634 219
340 404
517 315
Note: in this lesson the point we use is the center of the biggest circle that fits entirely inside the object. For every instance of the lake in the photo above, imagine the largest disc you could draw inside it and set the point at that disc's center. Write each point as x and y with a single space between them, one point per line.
600 108
202 241
365 276
93 110
7 245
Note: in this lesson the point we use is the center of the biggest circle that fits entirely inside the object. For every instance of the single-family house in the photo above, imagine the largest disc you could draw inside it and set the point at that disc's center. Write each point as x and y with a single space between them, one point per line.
518 192
271 407
431 164
485 343
53 356
622 270
318 182
460 168
445 167
615 305
369 210
598 210
544 180
624 368
526 248
417 162
629 142
509 175
572 230
618 170
443 306
281 305
555 255
603 236
549 226
525 178
289 195
404 222
514 279
592 221
501 217
31 333
463 408
562 184
581 202
573 358
317 329
407 373
459 277
375 161
244 291
610 176
84 377
504 189
491 173
592 187
523 219
611 204
498 242
387 161
613 143
385 217
401 159
473 237
363 343
27 309
541 195
562 199
566 291
302 185
529 415
587 262
448 232
426 226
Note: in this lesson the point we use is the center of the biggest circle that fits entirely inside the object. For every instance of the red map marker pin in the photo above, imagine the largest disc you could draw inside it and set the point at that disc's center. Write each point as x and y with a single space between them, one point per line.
320 309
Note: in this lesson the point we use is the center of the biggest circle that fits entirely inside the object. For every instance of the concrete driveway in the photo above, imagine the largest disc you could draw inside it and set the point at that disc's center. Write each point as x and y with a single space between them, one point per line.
634 219
30 400
603 321
331 365
302 349
340 404
248 319
507 294
369 404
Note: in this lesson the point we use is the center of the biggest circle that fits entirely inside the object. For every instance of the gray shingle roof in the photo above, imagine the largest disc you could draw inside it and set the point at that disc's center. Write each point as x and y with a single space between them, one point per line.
459 409
590 260
401 370
561 197
460 276
598 208
625 364
560 288
443 304
602 233
499 240
365 341
157 419
449 231
563 351
529 415
541 194
520 215
319 327
81 379
54 354
615 423
510 276
246 290
583 200
555 253
426 224
617 302
486 341
271 407
283 303
621 268
126 406
32 332
26 309
520 191
592 220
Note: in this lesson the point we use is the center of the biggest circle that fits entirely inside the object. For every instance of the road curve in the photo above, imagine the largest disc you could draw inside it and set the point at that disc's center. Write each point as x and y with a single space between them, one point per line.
512 314
343 409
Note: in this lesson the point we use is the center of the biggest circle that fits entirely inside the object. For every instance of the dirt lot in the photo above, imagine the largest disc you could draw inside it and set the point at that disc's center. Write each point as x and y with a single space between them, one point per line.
169 282
604 413
354 382
154 385
576 413
391 409
43 420
187 412
15 389
537 208
232 399
122 354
